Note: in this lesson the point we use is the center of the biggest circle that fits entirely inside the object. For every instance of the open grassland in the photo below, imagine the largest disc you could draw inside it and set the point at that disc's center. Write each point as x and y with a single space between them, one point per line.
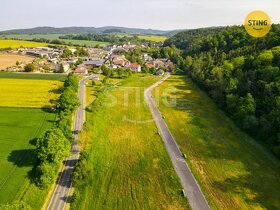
232 169
18 43
8 60
32 76
51 37
131 168
18 127
83 42
31 36
28 93
153 38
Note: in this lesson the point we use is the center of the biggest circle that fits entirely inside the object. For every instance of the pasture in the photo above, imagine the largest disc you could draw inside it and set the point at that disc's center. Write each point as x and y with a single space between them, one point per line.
19 43
131 168
18 127
153 38
8 60
28 93
233 170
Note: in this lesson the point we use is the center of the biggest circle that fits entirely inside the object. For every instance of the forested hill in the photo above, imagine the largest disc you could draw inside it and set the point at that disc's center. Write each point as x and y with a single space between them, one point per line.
86 30
239 72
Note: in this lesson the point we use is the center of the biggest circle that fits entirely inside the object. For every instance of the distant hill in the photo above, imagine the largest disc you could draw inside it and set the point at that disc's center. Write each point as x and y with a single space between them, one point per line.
83 30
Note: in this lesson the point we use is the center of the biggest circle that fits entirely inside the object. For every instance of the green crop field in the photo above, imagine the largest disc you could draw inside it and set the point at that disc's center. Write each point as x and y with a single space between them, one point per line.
30 36
18 127
83 42
20 124
19 43
131 168
153 38
32 76
28 93
233 170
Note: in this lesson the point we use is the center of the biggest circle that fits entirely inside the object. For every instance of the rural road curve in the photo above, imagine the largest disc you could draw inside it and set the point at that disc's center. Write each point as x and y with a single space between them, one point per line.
63 185
193 192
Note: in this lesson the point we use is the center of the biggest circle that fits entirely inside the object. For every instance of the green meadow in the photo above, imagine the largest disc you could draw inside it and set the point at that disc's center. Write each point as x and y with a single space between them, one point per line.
131 168
233 170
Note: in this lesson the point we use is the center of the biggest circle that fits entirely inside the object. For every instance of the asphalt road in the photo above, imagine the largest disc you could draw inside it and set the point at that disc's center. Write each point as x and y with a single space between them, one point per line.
191 188
63 185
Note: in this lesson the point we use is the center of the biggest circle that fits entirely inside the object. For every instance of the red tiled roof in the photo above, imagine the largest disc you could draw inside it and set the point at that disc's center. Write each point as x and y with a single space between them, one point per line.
134 65
80 70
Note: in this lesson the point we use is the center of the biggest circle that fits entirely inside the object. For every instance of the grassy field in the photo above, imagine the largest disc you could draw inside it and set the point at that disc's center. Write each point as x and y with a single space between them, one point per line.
232 169
8 60
131 168
18 43
28 93
31 36
18 127
84 42
153 38
32 76
49 37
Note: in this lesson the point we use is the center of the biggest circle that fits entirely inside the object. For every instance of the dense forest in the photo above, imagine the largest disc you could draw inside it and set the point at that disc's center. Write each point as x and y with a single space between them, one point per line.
239 72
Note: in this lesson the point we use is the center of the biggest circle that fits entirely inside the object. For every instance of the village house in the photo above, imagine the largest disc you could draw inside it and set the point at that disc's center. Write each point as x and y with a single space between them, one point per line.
135 67
81 70
158 63
93 63
149 65
62 67
160 72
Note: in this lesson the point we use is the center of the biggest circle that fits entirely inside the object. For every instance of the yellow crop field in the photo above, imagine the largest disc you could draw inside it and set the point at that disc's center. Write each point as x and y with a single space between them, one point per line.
28 93
19 43
8 60
153 38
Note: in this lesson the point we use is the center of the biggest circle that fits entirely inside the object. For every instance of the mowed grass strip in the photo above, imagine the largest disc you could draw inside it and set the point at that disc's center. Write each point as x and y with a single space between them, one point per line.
8 60
233 170
131 168
19 43
28 93
17 128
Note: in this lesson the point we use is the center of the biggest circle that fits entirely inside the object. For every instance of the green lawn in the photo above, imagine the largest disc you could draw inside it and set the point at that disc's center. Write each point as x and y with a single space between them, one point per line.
18 127
131 168
233 170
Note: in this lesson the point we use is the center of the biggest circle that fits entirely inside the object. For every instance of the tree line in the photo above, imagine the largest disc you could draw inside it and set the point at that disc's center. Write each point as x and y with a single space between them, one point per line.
239 72
55 145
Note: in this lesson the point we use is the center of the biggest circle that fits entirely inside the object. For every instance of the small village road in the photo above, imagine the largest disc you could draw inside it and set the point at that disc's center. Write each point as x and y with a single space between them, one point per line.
190 186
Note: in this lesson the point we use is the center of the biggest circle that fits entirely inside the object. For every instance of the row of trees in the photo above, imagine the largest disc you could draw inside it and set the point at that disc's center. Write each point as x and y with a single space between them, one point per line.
239 72
111 38
55 145
80 52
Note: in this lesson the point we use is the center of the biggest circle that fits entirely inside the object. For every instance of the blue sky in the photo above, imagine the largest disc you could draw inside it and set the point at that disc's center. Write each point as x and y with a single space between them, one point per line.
156 14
